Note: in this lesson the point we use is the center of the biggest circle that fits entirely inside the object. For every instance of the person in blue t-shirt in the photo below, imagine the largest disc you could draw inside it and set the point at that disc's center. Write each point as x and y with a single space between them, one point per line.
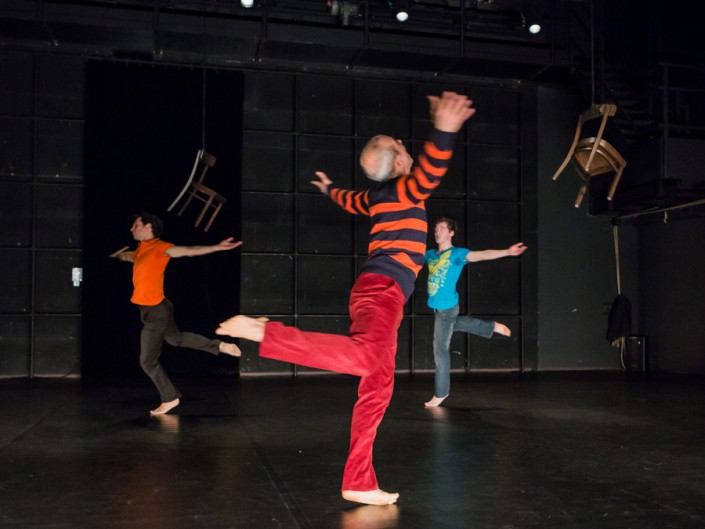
444 267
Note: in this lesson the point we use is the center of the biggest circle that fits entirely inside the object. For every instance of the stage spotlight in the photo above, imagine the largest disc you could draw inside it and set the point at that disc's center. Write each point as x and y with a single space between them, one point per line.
400 8
247 3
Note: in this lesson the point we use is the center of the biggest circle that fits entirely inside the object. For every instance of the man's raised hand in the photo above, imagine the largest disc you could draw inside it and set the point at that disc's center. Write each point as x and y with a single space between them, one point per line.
450 111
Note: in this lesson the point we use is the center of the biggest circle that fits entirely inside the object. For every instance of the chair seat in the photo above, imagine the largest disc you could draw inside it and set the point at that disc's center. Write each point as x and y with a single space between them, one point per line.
198 190
606 158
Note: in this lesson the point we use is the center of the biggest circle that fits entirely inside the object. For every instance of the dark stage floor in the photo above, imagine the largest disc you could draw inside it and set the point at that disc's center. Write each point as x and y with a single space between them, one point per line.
541 452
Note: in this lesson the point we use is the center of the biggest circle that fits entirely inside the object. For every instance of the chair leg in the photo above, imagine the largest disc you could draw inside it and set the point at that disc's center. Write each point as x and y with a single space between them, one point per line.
203 211
615 183
215 212
581 193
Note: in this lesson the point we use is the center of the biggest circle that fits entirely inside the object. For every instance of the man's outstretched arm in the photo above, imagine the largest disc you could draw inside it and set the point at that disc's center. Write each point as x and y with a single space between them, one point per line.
488 255
123 254
354 202
193 251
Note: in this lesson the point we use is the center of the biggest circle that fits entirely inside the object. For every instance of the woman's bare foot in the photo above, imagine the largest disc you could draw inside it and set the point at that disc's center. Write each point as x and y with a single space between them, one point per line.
435 401
371 497
165 407
229 349
502 329
243 327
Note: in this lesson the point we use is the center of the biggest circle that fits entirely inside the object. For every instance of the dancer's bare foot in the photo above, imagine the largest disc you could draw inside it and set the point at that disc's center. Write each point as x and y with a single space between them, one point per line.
229 349
371 497
243 327
435 401
502 329
165 407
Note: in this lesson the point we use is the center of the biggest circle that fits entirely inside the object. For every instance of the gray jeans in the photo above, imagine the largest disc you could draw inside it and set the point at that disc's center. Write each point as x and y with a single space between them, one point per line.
446 322
158 326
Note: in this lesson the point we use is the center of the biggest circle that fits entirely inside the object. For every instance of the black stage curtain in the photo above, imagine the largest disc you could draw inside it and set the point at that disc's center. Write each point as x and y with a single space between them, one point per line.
144 125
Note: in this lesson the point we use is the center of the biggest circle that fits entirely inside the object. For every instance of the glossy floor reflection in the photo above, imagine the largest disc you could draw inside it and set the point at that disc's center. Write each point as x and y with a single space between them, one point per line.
544 452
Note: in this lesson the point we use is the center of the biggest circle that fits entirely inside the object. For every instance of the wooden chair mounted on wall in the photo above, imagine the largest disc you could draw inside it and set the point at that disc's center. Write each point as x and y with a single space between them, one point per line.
198 190
594 155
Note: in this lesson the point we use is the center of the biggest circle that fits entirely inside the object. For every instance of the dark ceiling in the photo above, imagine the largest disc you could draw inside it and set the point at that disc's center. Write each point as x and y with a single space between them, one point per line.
481 38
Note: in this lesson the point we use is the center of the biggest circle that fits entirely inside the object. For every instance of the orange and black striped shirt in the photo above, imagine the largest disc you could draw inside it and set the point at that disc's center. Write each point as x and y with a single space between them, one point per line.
397 212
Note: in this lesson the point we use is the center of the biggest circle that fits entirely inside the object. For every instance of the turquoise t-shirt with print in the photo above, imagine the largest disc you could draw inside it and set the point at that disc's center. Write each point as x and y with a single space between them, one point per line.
443 273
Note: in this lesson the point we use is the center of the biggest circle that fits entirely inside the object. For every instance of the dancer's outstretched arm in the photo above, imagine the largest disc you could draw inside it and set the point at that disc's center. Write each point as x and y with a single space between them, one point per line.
123 254
488 255
193 251
354 202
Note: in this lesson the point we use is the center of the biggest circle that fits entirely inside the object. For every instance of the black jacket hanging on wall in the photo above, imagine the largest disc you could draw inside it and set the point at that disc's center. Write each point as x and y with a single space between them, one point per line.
620 320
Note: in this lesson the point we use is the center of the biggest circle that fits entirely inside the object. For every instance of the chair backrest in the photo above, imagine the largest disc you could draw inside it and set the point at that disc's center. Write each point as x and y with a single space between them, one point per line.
208 160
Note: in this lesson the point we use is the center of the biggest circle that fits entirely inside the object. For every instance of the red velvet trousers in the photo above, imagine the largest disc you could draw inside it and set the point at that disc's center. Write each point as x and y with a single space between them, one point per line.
368 351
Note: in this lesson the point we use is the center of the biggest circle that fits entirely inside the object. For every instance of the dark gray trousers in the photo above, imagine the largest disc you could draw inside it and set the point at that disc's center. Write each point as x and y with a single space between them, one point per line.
158 326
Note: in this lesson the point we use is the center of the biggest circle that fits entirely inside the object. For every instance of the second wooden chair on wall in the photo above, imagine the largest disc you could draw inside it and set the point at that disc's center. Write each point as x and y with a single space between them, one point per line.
594 155
195 188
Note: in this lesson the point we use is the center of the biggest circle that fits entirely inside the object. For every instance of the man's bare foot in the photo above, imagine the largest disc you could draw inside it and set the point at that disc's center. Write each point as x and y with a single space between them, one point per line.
229 349
502 329
371 497
435 401
243 327
165 407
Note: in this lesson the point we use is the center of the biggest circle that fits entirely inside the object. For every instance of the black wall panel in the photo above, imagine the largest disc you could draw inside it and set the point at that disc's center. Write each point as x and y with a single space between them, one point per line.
16 214
267 284
57 338
320 229
323 284
423 343
54 291
15 281
495 287
268 162
267 222
60 85
60 150
16 143
17 87
494 172
334 156
59 216
383 107
493 225
269 101
497 118
15 342
324 105
500 352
